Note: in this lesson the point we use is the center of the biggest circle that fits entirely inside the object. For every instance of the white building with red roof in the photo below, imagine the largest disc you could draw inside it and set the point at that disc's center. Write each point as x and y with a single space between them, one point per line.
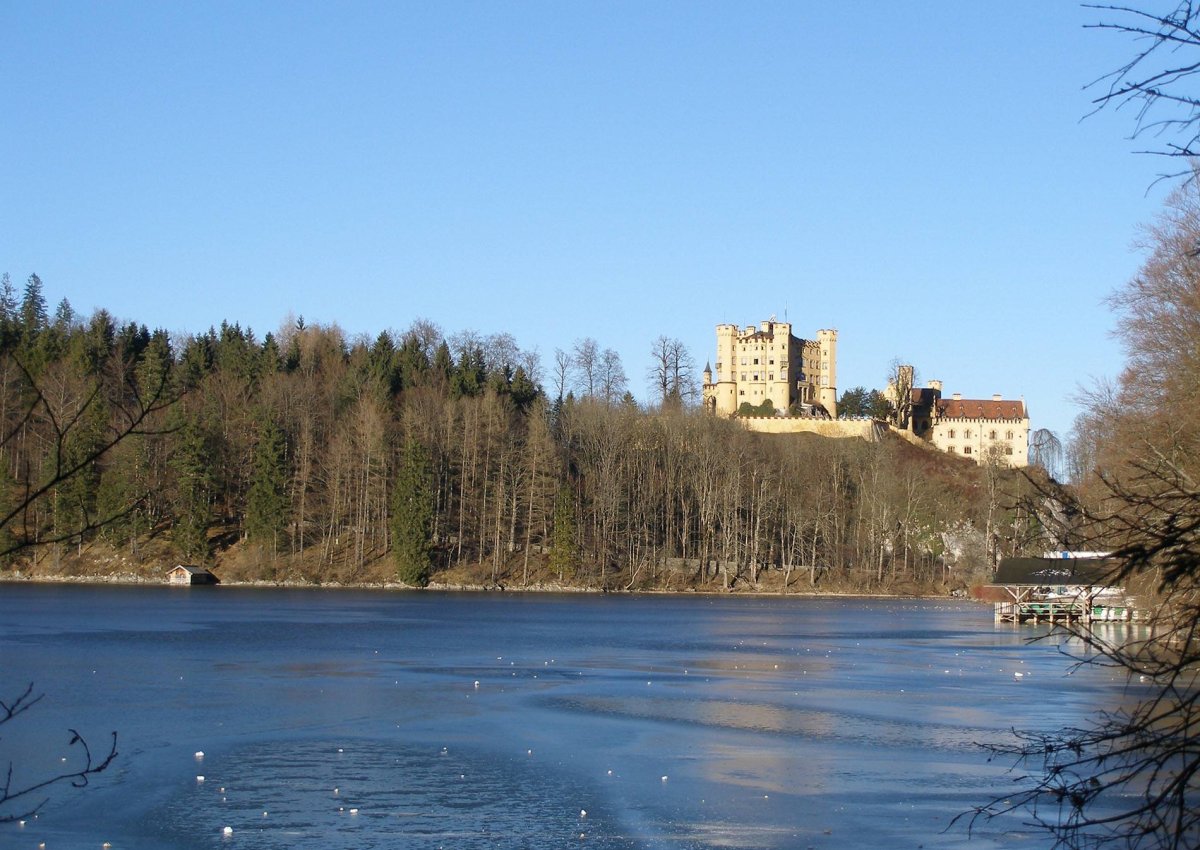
983 430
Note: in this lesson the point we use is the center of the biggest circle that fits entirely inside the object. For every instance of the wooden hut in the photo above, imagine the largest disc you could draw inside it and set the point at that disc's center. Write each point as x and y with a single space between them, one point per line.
184 574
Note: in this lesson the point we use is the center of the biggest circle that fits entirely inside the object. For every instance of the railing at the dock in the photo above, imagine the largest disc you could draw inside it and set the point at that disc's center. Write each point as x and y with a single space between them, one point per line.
1060 611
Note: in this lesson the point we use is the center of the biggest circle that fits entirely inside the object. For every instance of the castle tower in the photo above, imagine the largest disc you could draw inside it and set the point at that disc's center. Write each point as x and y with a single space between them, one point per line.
827 373
767 363
720 385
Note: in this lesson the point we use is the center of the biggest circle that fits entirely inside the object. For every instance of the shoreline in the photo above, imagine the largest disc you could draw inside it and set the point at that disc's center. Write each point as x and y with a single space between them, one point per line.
133 580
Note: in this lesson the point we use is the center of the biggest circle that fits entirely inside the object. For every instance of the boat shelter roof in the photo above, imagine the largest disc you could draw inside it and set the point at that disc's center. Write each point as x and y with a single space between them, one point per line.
1089 572
196 571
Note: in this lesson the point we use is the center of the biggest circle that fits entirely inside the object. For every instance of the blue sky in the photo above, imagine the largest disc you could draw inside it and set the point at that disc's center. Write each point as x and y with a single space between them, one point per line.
916 175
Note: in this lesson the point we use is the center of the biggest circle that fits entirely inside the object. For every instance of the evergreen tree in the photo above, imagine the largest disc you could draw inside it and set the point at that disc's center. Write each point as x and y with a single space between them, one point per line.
64 316
266 502
9 316
75 497
236 353
412 516
120 495
94 345
9 496
384 372
191 462
524 391
443 363
153 369
197 359
470 374
34 316
564 554
131 341
411 361
270 358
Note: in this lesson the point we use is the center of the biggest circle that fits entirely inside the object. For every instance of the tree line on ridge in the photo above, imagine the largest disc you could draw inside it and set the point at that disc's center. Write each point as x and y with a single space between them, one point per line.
415 456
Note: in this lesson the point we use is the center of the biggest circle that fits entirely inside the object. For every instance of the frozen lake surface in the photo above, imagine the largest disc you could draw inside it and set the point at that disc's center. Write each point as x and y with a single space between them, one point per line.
348 719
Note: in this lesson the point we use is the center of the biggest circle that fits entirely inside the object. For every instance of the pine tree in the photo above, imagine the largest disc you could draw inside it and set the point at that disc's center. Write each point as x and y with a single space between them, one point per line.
9 495
443 363
266 502
270 358
412 516
10 319
411 361
75 497
470 374
193 490
563 552
64 316
523 390
34 316
121 496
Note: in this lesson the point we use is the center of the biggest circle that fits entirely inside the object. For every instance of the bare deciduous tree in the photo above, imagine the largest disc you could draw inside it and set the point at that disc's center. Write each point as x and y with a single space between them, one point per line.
1046 451
1131 776
1156 83
671 375
612 381
17 801
561 373
585 362
901 379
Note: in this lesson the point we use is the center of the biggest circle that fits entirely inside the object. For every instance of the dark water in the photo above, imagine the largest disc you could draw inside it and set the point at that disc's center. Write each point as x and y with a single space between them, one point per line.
389 720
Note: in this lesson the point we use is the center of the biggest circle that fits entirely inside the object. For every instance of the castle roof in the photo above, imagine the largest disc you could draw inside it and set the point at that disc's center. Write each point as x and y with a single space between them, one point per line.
924 396
975 408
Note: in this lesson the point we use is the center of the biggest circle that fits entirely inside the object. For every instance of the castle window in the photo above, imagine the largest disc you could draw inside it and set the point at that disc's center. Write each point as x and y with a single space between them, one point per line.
950 449
755 361
743 376
967 434
771 376
771 362
1008 450
950 433
1009 435
741 392
992 435
966 450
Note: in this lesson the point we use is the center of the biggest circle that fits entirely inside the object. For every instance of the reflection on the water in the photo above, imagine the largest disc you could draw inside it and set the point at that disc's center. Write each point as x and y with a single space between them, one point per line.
482 721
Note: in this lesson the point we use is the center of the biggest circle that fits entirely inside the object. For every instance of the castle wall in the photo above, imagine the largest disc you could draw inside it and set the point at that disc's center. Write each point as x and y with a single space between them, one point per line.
864 429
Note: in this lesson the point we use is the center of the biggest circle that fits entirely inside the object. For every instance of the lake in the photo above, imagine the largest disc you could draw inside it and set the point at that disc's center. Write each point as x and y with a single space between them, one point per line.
375 719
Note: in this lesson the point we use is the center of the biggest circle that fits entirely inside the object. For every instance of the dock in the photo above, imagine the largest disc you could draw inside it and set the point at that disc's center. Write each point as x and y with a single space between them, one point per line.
1062 590
1038 611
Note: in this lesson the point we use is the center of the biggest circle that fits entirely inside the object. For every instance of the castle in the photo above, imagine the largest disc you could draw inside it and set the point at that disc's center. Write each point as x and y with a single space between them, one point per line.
777 383
770 364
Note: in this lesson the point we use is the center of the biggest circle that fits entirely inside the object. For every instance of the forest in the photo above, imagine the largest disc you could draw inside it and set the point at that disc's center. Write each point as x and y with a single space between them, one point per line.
422 458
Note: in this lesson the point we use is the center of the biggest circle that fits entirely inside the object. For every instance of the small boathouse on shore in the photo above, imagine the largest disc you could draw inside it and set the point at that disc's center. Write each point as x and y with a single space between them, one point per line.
183 574
1062 589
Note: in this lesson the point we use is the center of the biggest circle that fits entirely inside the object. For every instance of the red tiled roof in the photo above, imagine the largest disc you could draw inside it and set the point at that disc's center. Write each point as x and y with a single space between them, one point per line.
975 408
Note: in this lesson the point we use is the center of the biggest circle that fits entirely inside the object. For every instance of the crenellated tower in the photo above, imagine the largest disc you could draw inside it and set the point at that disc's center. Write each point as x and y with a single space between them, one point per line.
769 363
